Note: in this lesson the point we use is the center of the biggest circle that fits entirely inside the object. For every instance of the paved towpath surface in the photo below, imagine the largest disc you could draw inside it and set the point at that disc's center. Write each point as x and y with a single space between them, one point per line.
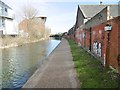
57 72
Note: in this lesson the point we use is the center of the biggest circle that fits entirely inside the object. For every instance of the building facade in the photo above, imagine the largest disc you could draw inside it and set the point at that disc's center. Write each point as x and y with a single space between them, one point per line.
7 22
99 34
28 25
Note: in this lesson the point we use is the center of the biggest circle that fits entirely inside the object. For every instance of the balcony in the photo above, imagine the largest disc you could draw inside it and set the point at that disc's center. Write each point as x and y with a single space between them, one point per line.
9 14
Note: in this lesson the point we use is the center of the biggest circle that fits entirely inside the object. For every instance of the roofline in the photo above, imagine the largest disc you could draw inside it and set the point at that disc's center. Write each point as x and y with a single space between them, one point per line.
82 11
88 5
5 4
94 5
98 4
41 17
44 18
97 13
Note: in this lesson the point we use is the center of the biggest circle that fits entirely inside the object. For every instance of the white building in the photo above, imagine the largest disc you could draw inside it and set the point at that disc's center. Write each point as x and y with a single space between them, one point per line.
7 22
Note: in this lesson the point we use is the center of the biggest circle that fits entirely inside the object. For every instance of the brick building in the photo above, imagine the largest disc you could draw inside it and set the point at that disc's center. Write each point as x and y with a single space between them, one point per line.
27 25
97 30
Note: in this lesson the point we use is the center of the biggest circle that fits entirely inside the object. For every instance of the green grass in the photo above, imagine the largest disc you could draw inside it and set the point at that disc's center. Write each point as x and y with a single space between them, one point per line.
91 73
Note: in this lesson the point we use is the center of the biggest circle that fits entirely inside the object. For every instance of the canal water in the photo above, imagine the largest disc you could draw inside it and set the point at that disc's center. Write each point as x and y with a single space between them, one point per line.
19 63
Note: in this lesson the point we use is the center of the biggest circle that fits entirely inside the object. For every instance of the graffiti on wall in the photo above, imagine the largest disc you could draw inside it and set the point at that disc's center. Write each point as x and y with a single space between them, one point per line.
82 36
97 48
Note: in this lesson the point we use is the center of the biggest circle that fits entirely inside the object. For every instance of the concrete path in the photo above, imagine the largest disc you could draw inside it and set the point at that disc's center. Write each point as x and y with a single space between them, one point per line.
57 72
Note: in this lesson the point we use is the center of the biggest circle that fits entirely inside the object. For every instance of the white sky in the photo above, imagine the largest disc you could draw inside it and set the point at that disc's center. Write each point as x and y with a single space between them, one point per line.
61 14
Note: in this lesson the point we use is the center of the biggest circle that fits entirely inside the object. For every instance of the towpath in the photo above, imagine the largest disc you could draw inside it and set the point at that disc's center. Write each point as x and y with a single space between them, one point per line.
57 72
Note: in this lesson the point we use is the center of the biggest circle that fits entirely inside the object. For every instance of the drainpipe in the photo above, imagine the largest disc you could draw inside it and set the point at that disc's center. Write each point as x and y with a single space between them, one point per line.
90 39
107 29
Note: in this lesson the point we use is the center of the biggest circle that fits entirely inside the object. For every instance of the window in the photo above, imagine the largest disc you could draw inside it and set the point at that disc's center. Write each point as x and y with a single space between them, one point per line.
3 22
6 9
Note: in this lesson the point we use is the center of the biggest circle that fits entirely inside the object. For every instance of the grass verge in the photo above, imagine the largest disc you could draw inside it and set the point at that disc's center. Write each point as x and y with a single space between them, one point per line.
90 71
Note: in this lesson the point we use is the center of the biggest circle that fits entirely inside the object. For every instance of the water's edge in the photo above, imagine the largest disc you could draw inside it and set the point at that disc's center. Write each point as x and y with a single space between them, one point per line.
34 78
26 61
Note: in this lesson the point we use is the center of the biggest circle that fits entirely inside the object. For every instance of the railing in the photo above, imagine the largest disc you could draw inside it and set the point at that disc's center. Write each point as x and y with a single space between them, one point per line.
7 16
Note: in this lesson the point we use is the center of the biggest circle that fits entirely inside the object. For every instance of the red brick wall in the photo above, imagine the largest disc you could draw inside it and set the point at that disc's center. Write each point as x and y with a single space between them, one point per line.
81 37
100 36
72 36
77 39
119 42
87 39
114 44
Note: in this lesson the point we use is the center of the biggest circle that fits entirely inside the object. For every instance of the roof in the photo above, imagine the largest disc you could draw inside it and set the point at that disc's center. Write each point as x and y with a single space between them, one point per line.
2 3
114 10
90 11
43 18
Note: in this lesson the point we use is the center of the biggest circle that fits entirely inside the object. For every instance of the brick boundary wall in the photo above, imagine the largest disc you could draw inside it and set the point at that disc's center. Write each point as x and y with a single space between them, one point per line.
102 44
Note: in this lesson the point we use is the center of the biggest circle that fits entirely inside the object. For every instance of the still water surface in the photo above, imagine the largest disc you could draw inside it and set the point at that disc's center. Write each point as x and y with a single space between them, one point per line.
19 63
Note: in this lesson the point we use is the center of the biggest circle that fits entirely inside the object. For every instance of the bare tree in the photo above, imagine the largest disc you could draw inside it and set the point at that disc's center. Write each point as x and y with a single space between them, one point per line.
35 25
29 12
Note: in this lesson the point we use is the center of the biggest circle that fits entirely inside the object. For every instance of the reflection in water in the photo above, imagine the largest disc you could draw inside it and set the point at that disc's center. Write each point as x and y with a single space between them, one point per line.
19 63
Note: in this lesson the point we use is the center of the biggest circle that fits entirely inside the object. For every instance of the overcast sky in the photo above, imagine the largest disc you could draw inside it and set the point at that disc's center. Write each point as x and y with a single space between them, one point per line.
61 14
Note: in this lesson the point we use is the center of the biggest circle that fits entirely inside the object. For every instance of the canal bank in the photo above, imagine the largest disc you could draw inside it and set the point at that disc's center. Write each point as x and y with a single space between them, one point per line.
16 43
19 63
57 72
